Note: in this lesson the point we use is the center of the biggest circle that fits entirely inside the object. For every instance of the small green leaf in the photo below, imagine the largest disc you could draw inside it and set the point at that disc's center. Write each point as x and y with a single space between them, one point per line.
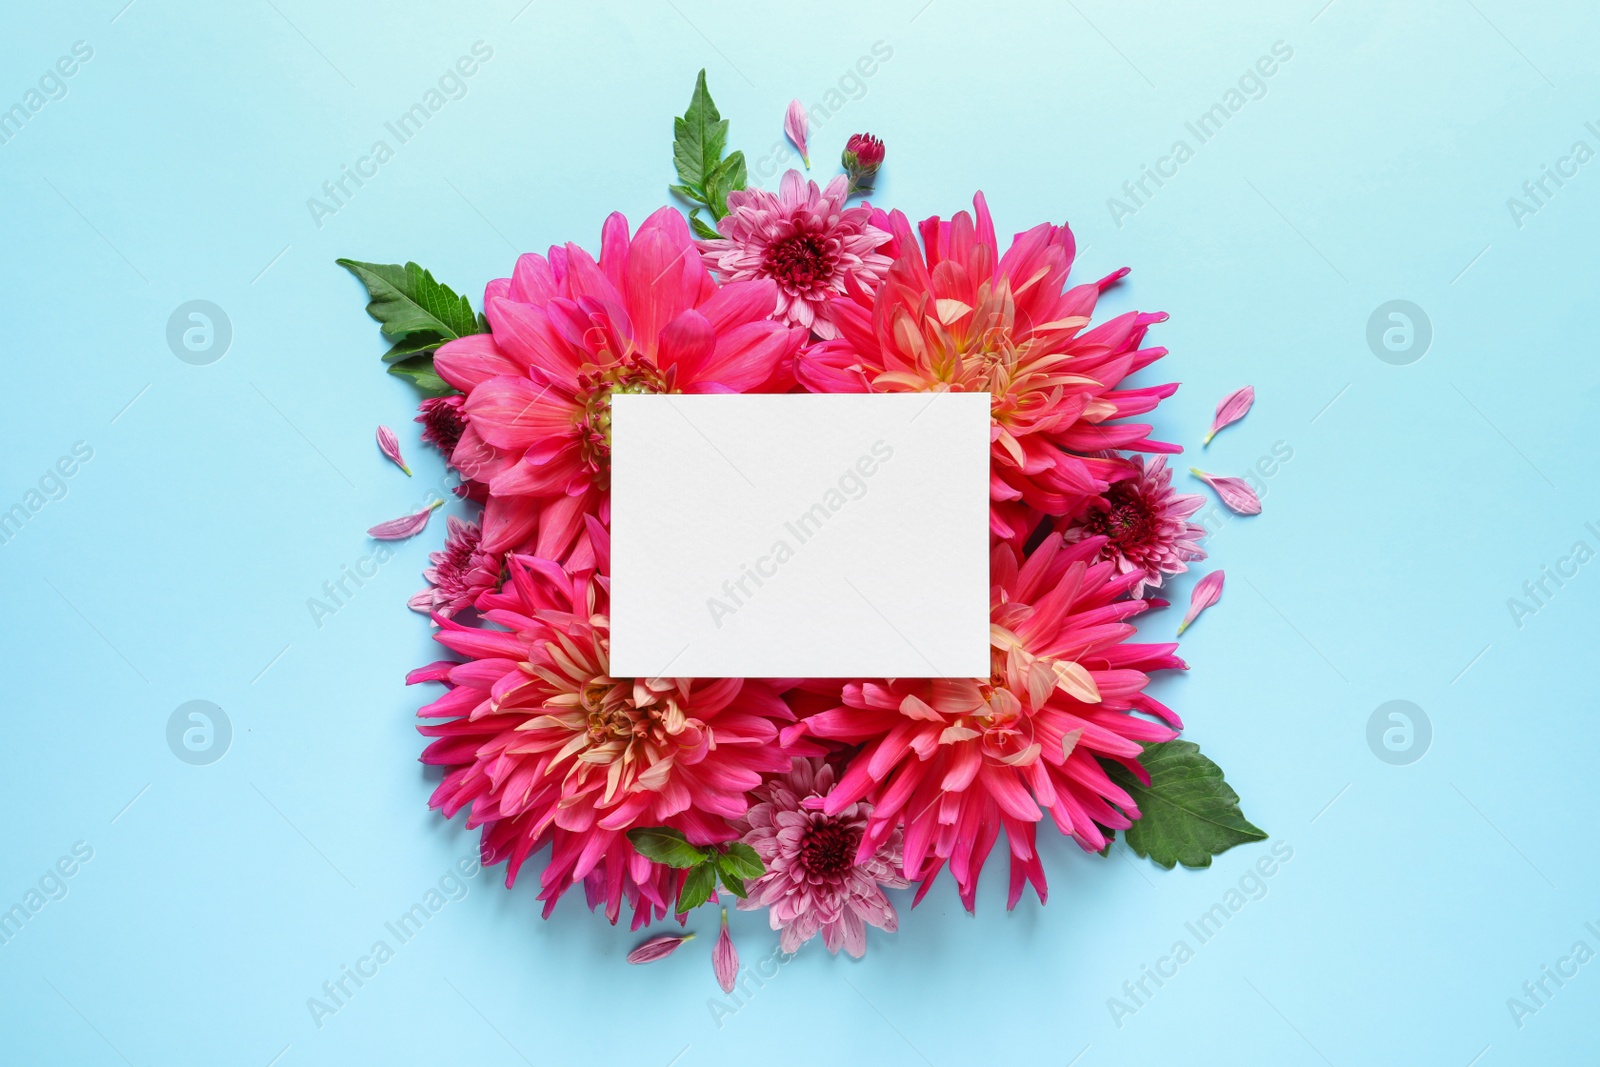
729 175
697 887
1111 839
663 844
422 375
701 230
732 884
407 301
414 345
1188 813
698 138
741 861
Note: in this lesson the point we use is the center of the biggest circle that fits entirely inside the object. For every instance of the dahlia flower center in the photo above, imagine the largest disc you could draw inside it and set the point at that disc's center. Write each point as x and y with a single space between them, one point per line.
616 718
596 386
1126 521
800 261
829 849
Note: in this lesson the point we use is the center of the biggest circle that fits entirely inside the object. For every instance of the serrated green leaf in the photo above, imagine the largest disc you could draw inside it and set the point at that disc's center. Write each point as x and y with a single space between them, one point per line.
1188 812
698 138
697 887
691 195
407 301
729 175
700 229
663 844
422 375
741 861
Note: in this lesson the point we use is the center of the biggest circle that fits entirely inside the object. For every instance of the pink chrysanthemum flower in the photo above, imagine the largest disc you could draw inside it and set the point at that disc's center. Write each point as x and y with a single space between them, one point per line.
460 572
955 761
442 421
567 332
1144 523
815 880
804 240
544 746
955 314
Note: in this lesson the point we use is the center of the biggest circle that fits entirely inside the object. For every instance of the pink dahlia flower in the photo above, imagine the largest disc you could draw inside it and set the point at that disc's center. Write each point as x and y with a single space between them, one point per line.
955 314
545 747
955 761
815 879
1144 523
460 572
803 239
567 332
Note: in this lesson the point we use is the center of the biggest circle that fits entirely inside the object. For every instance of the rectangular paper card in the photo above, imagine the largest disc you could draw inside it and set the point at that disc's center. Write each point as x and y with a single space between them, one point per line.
800 535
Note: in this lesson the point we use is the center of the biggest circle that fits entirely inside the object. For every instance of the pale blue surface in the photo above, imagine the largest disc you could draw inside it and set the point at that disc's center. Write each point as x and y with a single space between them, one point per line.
178 565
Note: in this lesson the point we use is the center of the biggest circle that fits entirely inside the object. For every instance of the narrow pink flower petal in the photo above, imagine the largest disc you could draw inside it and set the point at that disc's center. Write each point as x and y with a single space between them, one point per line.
1231 409
1235 492
658 948
725 958
390 444
796 125
405 526
1207 591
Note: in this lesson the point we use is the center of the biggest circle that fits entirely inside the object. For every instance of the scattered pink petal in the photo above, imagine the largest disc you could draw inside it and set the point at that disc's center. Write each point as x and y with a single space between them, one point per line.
725 958
1235 492
1231 409
1207 591
405 526
796 125
390 444
658 948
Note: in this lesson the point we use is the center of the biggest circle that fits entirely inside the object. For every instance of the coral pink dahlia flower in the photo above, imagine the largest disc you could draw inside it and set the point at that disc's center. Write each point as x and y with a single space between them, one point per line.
459 573
955 761
955 314
567 332
804 240
1145 524
815 880
544 746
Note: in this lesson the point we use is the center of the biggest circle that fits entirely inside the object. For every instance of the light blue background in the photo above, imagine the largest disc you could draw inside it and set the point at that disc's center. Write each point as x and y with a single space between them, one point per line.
1377 166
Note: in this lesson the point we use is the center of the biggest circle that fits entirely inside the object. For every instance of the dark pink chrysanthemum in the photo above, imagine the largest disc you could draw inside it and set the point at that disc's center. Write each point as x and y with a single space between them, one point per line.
459 573
545 746
955 761
567 332
955 314
815 880
803 239
1145 524
442 421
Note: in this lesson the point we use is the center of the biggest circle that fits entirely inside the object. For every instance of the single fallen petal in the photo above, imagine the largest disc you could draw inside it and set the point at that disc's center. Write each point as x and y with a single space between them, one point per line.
658 948
405 526
1231 409
1206 592
390 444
1235 492
725 958
796 125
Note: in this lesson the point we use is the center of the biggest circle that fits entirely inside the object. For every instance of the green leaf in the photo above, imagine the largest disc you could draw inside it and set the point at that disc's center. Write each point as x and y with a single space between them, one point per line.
1188 812
732 884
701 230
663 844
407 301
741 861
698 138
415 345
422 375
1111 839
697 887
729 175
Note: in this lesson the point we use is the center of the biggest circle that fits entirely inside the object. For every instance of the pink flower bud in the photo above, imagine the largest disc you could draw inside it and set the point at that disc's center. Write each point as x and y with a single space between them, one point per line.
725 958
389 444
863 155
658 948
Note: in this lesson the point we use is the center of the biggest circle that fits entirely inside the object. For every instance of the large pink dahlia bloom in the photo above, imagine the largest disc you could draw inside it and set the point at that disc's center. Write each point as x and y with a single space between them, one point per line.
815 881
955 314
567 332
955 761
1144 521
545 746
803 239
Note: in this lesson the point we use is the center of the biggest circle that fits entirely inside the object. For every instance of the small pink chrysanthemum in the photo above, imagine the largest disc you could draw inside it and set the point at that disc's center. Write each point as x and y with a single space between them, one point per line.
803 239
1144 522
442 421
460 572
814 879
545 747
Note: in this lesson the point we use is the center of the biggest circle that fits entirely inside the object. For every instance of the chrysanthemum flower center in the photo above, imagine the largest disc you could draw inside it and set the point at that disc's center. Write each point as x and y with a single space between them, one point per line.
829 849
1126 521
800 261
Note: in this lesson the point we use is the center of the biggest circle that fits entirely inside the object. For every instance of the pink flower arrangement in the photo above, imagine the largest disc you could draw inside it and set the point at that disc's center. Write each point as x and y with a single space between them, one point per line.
818 801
